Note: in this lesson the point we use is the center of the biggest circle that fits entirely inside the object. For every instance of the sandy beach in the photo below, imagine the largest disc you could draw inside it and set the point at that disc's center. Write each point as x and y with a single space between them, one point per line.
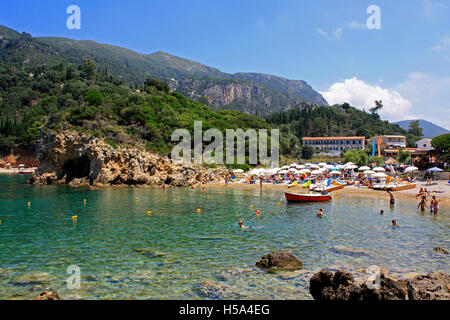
440 189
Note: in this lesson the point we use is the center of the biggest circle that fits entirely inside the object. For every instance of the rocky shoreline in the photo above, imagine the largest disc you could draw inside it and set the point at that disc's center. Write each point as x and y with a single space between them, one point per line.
82 160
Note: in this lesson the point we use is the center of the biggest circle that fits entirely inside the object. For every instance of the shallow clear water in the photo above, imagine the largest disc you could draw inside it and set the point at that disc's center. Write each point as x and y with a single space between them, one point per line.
123 253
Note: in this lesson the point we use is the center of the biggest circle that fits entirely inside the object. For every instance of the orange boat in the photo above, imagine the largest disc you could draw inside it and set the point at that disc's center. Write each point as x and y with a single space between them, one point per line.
306 197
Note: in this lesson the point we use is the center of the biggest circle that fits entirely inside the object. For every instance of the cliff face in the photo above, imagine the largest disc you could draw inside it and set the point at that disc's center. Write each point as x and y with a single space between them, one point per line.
242 95
78 159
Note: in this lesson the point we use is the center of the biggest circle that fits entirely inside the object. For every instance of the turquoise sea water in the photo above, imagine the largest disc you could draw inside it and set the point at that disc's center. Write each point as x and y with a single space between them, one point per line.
123 253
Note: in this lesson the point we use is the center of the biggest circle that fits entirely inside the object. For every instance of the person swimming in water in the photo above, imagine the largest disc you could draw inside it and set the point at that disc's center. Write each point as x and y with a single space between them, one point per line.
320 213
395 223
241 224
391 196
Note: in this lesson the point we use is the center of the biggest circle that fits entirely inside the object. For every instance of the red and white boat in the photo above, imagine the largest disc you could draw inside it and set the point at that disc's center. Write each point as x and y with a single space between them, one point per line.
306 197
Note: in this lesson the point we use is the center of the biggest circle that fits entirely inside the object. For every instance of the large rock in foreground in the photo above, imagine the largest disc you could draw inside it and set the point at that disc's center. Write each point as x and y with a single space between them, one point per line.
327 286
434 286
279 261
48 295
79 159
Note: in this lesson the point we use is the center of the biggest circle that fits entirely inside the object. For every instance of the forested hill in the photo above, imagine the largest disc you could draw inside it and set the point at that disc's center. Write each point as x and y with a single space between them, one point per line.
338 120
88 99
133 68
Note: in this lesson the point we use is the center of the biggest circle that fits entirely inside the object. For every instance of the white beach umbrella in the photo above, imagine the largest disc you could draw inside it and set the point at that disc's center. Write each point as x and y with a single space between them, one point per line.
300 167
308 165
317 172
335 172
378 169
285 167
349 163
411 169
350 167
363 168
322 164
305 171
369 172
293 170
293 165
380 175
314 166
283 172
238 171
276 169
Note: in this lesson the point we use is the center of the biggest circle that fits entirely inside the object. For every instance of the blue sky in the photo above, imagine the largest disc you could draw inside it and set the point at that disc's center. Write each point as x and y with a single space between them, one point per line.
326 43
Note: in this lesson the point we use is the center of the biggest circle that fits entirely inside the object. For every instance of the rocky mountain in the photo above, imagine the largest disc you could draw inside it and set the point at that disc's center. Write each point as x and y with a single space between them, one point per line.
430 130
259 94
236 94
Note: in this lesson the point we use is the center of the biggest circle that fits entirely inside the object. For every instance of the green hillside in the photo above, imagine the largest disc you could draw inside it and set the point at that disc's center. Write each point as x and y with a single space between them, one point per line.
133 68
87 99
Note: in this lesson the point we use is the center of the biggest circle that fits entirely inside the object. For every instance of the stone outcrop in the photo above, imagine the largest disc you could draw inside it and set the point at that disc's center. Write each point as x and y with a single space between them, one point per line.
79 159
280 261
48 295
327 286
434 286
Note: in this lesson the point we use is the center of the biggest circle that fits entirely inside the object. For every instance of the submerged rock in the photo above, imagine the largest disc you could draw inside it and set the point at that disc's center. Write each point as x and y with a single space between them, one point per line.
48 295
149 253
214 290
279 260
434 286
326 286
349 251
37 278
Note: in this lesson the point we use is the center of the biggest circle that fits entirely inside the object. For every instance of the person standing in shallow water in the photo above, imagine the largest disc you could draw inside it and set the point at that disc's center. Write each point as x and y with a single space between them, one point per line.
434 206
391 200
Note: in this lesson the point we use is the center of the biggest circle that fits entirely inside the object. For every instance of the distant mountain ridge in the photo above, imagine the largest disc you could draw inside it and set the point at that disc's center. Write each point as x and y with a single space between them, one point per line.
277 93
430 130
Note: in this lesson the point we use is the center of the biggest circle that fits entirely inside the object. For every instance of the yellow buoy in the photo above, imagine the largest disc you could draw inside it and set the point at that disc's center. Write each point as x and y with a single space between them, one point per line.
74 217
251 206
278 203
208 196
199 210
149 212
29 204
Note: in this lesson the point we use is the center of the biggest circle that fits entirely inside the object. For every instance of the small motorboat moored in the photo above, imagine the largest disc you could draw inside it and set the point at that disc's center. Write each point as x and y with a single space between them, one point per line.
306 197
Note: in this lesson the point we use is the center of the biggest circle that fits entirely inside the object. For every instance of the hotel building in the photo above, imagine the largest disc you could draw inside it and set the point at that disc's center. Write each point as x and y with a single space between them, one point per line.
334 145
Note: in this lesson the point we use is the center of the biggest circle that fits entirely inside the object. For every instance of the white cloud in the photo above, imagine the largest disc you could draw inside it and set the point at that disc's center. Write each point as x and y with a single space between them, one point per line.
260 23
430 7
335 35
363 95
429 95
443 47
357 25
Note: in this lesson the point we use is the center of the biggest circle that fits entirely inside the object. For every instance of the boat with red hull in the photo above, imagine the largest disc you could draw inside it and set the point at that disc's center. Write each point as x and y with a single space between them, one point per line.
306 197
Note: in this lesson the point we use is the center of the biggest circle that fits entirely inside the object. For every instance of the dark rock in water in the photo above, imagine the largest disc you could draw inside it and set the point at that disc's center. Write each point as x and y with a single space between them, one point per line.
215 290
149 253
349 251
279 260
434 286
37 278
48 295
326 286
440 250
